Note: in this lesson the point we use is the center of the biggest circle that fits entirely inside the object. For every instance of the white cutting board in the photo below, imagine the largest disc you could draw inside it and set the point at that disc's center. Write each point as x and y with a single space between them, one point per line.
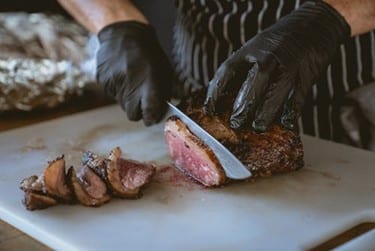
333 192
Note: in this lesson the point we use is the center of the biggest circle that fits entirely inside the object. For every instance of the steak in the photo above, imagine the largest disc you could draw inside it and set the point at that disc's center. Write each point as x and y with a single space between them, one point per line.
33 184
94 184
35 196
277 150
33 201
96 163
126 177
55 180
89 189
48 189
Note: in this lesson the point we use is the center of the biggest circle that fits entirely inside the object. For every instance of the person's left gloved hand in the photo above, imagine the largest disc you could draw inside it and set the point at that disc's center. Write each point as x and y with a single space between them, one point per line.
284 61
133 68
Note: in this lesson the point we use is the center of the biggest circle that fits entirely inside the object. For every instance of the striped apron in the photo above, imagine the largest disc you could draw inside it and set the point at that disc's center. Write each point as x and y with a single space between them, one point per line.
208 31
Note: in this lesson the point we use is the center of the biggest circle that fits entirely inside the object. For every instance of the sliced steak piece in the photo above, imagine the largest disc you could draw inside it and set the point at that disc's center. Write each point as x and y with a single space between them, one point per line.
35 196
191 155
33 184
33 201
55 180
276 151
89 189
126 177
96 163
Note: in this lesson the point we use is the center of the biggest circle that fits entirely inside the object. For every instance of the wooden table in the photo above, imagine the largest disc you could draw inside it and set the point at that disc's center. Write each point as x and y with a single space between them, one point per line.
12 239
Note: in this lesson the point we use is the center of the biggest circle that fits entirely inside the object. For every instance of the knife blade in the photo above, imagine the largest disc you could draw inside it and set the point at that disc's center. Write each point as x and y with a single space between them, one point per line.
232 166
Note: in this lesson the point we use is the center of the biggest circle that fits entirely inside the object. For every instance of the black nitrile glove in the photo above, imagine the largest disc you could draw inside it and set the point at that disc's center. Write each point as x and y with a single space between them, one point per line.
282 63
133 68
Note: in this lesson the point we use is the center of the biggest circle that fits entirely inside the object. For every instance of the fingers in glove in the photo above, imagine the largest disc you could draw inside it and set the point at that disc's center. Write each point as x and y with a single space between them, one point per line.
275 97
153 105
129 99
131 104
217 85
104 78
249 96
293 108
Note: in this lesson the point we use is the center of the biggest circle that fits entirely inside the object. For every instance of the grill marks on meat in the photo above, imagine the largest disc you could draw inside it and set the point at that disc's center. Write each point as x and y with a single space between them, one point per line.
93 185
276 151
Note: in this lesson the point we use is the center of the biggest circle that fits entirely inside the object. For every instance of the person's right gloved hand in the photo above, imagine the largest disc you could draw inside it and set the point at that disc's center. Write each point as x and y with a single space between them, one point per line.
282 63
132 67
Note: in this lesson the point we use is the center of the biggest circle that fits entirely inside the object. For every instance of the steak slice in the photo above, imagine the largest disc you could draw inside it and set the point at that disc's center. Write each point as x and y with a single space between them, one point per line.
96 163
191 155
33 201
33 184
55 180
126 177
93 185
275 151
35 195
89 189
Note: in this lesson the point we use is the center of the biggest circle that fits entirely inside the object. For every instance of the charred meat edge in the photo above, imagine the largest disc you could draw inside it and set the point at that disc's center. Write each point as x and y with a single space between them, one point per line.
276 151
80 190
35 196
96 163
115 179
55 180
33 201
176 128
33 184
56 186
92 183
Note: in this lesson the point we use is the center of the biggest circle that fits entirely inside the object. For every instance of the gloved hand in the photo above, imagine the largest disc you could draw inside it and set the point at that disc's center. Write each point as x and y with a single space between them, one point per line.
133 68
282 63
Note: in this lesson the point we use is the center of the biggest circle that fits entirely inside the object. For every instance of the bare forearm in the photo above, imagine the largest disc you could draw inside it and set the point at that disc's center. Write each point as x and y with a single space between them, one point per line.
95 14
360 14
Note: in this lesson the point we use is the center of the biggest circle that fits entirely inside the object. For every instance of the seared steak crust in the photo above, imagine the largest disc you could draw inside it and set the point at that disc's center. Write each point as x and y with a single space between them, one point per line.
126 177
33 201
81 186
275 151
93 185
55 180
96 163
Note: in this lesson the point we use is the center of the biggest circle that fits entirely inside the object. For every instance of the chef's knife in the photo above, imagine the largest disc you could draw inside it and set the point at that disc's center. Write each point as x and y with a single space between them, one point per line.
233 168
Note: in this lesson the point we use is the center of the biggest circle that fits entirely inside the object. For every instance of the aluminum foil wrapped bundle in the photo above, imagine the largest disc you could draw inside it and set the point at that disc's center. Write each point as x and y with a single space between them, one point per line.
44 59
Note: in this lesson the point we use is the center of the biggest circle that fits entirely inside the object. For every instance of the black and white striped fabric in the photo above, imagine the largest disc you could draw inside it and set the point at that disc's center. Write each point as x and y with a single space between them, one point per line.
208 31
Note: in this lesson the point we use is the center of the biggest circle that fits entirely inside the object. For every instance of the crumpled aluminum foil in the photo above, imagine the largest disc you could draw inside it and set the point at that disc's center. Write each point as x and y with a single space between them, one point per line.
44 59
26 83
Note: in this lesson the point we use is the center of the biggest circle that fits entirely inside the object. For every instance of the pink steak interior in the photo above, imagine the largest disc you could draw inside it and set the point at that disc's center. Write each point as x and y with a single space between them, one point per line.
191 156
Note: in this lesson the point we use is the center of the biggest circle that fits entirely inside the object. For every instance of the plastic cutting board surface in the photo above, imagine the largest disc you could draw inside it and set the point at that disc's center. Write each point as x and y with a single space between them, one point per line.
333 192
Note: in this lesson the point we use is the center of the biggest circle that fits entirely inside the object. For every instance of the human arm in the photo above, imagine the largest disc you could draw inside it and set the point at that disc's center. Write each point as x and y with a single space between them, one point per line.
360 14
96 14
131 65
282 63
